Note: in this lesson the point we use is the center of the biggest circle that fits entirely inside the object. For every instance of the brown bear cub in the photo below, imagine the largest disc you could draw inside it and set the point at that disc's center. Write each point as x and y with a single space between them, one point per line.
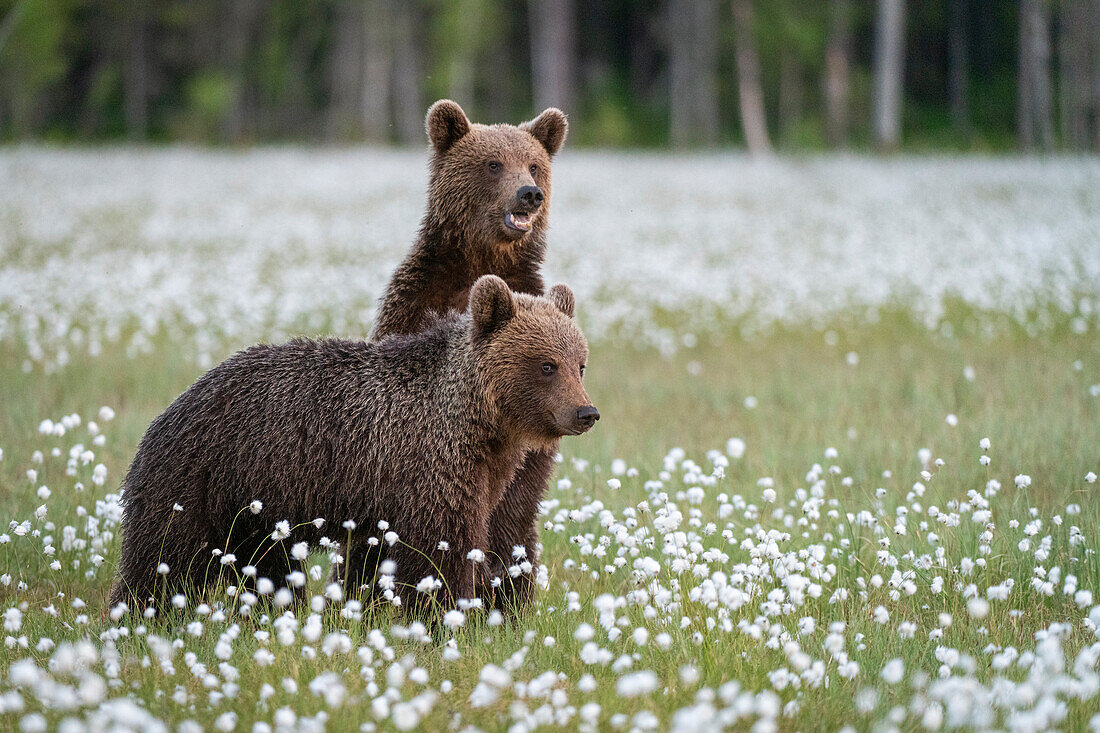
422 432
487 213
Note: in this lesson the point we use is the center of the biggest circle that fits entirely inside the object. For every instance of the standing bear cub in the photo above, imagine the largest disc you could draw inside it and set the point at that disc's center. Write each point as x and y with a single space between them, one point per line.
423 432
487 212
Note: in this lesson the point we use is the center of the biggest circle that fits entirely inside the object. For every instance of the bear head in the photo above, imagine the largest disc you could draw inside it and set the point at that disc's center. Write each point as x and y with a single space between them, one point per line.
492 182
532 357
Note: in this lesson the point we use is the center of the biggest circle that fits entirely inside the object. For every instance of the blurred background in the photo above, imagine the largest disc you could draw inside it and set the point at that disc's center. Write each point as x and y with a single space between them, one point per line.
787 74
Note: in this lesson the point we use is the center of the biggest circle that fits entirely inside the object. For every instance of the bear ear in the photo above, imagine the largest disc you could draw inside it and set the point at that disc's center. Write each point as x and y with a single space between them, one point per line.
562 297
549 128
446 124
491 304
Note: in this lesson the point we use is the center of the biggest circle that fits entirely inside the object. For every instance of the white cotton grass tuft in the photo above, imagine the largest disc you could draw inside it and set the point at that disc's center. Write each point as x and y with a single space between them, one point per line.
635 684
735 448
893 671
627 285
978 608
282 530
636 583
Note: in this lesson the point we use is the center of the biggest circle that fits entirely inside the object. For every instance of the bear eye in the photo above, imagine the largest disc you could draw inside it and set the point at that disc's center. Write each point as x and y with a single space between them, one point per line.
534 168
548 369
495 166
582 370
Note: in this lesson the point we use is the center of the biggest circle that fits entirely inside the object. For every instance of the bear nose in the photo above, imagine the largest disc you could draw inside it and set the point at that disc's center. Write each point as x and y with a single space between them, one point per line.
587 415
531 196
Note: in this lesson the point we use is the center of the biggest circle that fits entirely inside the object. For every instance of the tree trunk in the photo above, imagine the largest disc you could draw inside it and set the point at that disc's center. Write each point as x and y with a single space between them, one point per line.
1079 71
239 29
1036 123
693 84
346 72
646 70
705 19
749 91
135 72
553 54
889 71
1095 35
378 52
681 72
462 65
838 65
498 90
790 95
292 113
958 71
408 102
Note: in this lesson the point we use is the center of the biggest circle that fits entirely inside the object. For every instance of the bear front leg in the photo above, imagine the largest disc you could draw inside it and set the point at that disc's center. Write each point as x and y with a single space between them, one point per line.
452 578
451 550
358 574
152 537
463 578
277 565
514 523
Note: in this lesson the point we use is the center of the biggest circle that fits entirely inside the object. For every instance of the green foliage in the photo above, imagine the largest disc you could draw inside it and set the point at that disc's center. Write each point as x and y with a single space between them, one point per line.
614 118
209 95
877 414
31 60
254 70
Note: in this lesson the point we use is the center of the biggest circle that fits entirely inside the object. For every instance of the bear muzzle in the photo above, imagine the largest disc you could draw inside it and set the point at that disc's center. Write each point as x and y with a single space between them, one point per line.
586 418
528 201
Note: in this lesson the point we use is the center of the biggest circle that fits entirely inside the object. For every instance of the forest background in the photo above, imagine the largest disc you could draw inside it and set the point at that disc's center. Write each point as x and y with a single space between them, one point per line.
790 74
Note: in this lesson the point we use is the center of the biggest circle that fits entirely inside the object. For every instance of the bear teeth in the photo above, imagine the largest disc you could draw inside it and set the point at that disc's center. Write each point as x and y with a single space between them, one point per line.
519 220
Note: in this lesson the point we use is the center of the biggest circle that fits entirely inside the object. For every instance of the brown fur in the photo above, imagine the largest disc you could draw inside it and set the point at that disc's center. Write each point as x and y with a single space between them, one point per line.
462 237
422 431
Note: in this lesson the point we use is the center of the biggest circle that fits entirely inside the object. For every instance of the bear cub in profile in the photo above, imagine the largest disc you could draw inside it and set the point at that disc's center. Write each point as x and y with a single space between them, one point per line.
423 432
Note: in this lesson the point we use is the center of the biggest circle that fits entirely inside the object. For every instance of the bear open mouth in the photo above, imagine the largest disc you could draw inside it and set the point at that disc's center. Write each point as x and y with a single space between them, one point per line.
518 220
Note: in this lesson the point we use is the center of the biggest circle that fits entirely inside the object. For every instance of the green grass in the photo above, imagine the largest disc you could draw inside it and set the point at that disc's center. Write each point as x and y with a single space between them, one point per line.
1026 396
